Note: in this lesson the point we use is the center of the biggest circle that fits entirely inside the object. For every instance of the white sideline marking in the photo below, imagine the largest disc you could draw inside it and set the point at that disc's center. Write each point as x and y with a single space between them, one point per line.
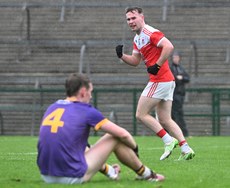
17 156
159 148
20 153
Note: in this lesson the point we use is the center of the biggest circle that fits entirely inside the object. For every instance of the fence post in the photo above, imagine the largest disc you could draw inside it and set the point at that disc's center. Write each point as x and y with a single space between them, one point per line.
193 54
165 7
28 24
34 106
62 15
134 112
1 122
227 59
81 58
26 9
113 116
215 113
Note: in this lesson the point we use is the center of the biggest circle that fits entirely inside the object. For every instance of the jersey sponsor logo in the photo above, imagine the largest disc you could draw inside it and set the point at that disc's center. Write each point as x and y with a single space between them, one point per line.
141 41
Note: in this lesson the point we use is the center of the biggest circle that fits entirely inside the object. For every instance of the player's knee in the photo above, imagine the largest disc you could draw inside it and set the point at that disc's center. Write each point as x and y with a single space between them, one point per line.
139 116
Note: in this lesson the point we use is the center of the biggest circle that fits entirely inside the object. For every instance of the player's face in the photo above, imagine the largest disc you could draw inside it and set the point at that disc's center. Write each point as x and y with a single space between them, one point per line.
176 59
135 21
88 93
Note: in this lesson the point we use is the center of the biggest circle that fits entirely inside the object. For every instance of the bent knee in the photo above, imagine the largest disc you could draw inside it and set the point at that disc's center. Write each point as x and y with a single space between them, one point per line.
139 116
109 136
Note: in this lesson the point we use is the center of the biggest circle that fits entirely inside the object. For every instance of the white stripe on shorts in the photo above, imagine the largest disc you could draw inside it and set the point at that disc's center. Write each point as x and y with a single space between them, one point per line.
152 89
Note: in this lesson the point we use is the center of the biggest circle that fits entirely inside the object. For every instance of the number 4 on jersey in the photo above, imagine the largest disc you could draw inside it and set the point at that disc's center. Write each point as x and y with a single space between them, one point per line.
54 120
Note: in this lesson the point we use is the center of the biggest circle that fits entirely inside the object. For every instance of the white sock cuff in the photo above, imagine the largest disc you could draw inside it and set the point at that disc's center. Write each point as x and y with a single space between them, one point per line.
111 171
147 172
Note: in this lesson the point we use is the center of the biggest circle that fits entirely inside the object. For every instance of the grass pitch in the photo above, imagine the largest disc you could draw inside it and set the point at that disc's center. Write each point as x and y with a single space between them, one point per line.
209 168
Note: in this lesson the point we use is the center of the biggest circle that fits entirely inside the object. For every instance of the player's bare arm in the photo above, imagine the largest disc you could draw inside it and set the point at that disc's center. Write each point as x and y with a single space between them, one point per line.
120 133
167 49
133 60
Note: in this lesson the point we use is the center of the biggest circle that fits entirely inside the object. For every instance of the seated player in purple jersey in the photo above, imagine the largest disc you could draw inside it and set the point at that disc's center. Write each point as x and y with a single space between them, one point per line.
63 156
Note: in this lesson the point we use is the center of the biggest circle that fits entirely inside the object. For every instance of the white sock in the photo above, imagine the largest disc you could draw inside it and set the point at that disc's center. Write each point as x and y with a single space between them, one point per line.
111 171
167 138
147 172
185 148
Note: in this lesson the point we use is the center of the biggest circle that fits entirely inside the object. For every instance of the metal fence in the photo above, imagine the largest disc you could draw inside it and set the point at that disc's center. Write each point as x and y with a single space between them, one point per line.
21 109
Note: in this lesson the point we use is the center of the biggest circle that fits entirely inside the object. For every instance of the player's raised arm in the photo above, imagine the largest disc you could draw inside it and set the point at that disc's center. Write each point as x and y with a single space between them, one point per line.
132 60
119 132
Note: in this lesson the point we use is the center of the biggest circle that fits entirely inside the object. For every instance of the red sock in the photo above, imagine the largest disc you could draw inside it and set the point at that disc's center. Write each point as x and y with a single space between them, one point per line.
161 133
182 142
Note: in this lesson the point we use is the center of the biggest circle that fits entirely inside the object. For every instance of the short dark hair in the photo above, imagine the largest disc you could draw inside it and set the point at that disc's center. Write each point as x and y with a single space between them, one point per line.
75 82
131 9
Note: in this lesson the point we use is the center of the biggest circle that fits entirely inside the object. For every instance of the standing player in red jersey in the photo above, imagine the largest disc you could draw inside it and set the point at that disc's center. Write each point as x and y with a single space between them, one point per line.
151 46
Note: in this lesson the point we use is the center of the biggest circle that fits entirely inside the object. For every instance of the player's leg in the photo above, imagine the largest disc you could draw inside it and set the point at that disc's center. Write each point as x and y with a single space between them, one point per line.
130 159
143 113
144 108
150 98
100 152
111 171
170 144
163 110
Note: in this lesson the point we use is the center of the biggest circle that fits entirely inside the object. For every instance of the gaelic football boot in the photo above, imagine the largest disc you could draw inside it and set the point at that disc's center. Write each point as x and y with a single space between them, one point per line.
187 156
169 148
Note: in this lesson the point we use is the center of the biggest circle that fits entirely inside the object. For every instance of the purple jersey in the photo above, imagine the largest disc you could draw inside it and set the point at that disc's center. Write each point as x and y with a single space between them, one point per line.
63 138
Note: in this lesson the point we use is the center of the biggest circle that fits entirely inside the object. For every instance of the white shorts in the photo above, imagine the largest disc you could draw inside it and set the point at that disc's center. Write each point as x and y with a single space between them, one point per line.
61 180
159 90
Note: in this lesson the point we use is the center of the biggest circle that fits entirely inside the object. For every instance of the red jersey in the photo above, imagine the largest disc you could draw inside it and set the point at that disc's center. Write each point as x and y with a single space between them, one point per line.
146 43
